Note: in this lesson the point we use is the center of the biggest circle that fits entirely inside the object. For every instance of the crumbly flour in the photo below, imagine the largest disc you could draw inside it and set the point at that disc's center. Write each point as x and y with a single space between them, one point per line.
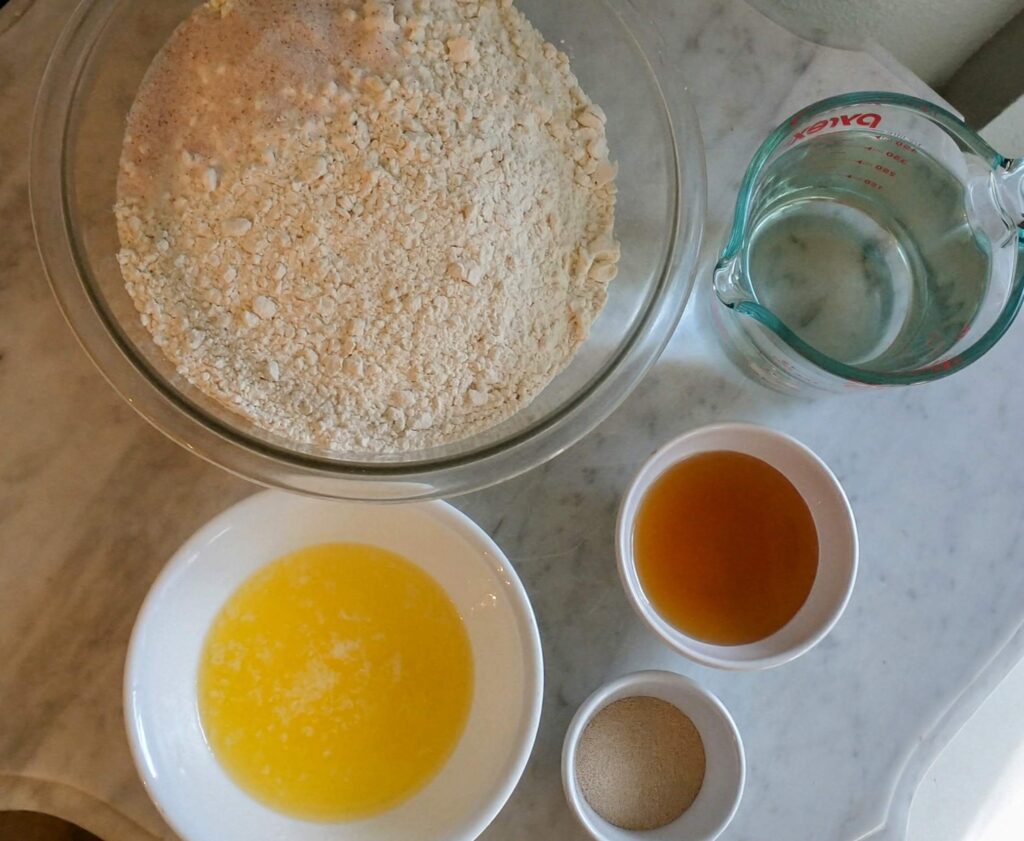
372 226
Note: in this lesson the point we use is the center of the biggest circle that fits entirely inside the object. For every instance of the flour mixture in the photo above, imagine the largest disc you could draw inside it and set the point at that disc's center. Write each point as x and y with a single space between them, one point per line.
370 226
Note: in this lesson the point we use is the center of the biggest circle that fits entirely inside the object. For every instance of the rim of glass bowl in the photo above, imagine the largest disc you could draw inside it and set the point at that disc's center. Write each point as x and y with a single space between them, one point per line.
163 406
12 12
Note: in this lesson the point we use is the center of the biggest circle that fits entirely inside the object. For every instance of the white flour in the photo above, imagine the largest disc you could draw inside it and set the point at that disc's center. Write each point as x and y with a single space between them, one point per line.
372 226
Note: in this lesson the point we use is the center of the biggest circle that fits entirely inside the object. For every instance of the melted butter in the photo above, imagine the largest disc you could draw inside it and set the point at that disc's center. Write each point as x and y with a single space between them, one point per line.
335 682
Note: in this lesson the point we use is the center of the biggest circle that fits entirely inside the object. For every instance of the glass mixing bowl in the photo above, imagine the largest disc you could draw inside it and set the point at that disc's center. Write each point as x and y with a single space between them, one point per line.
88 88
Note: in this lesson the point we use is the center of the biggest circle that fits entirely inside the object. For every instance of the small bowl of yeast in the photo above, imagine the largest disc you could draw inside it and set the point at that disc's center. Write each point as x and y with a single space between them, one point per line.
653 756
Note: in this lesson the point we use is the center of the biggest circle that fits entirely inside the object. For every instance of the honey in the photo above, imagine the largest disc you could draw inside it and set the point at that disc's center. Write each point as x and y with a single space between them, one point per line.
335 682
726 548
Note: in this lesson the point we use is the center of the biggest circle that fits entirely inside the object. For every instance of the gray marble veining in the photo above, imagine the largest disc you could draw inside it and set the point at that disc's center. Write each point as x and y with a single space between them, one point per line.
92 501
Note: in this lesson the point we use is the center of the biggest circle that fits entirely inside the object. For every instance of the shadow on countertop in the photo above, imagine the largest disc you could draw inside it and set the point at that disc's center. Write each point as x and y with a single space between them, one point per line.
34 826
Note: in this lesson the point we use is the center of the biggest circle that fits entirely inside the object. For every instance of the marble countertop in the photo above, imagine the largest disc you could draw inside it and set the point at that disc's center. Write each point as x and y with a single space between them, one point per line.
93 501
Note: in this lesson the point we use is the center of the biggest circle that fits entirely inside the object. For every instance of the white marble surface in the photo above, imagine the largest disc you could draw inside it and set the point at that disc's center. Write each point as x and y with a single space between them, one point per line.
92 501
974 791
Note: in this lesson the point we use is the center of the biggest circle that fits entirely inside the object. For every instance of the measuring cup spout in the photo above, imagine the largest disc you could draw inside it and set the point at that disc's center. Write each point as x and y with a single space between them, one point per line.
730 283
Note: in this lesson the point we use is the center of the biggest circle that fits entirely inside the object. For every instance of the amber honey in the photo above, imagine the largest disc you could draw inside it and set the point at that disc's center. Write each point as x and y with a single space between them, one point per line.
726 548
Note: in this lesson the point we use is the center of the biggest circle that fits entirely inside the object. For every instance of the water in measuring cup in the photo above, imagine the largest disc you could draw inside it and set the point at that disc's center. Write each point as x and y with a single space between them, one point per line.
861 246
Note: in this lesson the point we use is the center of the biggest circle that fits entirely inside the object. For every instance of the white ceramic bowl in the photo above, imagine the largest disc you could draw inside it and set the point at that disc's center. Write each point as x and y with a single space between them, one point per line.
188 785
725 769
837 544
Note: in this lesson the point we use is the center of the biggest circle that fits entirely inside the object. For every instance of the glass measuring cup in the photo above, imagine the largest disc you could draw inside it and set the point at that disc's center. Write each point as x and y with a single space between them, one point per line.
877 240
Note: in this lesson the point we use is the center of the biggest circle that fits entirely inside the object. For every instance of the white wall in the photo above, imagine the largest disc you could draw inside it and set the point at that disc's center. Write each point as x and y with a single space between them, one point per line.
1006 132
931 37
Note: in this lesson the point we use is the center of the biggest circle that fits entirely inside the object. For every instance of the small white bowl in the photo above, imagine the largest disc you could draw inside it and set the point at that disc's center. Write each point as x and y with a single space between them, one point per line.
184 778
837 544
725 766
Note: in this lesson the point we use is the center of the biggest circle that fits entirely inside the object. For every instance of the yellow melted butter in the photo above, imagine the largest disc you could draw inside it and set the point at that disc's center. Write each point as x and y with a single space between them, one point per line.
335 682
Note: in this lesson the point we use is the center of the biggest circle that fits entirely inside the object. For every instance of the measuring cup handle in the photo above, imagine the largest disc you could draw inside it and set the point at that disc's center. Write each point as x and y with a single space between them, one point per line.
994 202
1009 188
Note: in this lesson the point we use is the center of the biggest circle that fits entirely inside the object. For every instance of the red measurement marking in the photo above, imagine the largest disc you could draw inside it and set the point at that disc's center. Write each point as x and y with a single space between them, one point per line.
896 158
874 185
884 170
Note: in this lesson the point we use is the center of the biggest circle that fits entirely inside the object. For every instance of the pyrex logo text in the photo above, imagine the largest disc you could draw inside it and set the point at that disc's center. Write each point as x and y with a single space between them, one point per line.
866 120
